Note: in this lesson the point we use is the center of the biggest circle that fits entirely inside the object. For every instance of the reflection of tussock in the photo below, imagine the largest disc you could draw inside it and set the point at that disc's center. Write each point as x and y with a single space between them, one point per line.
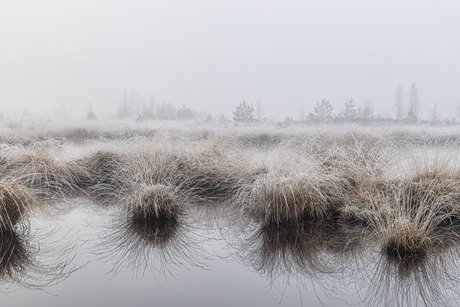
302 249
15 255
26 263
431 281
154 246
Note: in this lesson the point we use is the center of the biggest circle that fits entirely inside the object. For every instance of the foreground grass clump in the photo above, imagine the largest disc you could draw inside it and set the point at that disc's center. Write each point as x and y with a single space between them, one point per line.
205 171
407 241
15 200
291 191
43 173
103 175
423 213
212 172
154 202
294 198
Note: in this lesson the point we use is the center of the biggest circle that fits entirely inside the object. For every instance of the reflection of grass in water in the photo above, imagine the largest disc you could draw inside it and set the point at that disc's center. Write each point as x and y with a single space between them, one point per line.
299 249
157 232
15 255
429 281
148 245
33 261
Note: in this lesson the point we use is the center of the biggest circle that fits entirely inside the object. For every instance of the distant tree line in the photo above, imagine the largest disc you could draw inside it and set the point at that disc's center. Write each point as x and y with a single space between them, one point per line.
403 111
134 106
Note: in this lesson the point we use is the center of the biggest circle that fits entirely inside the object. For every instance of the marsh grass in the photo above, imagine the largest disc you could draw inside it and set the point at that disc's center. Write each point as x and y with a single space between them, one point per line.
213 172
318 180
47 176
102 175
278 197
154 203
15 201
357 178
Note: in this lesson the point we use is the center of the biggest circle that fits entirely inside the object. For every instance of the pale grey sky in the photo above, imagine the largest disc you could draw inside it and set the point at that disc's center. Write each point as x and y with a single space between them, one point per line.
212 54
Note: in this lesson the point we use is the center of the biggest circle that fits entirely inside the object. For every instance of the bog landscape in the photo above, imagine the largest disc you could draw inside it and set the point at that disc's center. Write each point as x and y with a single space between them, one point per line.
229 153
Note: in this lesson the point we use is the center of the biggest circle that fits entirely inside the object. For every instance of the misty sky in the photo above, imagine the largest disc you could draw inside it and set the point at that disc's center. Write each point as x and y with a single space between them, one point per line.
210 55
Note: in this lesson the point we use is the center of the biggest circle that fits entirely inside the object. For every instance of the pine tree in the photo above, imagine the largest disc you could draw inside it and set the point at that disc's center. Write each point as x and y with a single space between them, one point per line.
350 111
323 110
244 113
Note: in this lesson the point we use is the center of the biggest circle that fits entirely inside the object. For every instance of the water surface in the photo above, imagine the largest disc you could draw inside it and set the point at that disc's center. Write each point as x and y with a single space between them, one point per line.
86 254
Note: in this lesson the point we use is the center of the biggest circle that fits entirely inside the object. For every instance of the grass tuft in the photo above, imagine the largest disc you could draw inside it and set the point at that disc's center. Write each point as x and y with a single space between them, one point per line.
153 203
406 241
15 200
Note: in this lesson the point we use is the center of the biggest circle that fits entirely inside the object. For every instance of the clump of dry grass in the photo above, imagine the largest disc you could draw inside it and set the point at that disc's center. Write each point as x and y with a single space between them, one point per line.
212 172
406 240
154 202
277 198
368 204
153 163
15 200
104 175
205 171
319 179
46 175
290 188
423 213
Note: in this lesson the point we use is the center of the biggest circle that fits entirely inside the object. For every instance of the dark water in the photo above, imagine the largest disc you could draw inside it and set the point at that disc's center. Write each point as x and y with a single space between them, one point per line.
83 254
